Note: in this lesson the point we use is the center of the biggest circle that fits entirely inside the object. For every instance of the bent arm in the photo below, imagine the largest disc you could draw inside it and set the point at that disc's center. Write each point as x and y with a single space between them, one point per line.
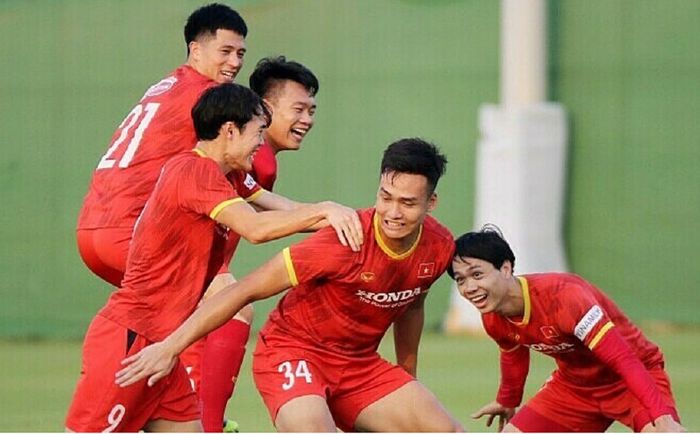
614 352
407 333
259 227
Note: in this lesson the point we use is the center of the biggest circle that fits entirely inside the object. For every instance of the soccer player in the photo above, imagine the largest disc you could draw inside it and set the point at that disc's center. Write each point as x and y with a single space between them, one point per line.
606 369
157 127
289 88
177 247
316 363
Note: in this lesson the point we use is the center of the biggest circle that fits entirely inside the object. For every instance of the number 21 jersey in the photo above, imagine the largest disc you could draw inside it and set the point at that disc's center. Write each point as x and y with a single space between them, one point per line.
157 128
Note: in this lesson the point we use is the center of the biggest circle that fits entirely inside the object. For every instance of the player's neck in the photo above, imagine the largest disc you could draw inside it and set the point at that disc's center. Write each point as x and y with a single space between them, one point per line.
399 245
514 301
209 149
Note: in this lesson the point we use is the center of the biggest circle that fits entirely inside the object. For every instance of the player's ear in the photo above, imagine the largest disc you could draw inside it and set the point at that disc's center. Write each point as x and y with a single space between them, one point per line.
194 50
432 202
228 130
507 268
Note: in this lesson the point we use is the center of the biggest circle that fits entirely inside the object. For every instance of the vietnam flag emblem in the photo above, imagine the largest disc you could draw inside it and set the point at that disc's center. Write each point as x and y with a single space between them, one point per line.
426 269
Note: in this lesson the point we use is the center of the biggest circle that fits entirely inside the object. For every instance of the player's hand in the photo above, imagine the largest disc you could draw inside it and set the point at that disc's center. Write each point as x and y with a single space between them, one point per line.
492 410
666 423
154 361
346 223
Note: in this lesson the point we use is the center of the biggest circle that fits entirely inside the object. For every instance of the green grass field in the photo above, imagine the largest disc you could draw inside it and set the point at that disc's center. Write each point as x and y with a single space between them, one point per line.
38 380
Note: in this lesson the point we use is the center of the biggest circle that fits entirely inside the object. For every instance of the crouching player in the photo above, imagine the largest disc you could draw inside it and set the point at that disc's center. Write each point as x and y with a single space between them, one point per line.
606 369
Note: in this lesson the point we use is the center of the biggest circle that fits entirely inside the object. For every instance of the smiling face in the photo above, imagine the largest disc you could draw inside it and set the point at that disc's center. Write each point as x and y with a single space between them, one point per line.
485 286
218 57
402 203
242 144
293 110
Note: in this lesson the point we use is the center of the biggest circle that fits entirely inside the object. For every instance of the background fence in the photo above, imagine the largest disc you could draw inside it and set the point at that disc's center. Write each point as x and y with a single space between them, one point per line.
626 70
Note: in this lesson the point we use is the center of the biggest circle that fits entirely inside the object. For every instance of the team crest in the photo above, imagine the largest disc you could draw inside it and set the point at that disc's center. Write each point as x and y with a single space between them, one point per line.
367 276
426 269
549 332
161 87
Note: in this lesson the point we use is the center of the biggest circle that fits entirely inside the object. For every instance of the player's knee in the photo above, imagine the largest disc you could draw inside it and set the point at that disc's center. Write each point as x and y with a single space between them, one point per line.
245 314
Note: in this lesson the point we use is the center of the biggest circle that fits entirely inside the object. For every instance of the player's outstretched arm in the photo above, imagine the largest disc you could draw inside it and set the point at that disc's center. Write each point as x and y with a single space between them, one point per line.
259 227
492 410
156 361
339 216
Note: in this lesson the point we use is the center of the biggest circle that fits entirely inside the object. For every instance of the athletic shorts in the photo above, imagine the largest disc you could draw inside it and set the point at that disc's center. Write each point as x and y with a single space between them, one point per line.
191 360
561 406
104 251
288 369
100 405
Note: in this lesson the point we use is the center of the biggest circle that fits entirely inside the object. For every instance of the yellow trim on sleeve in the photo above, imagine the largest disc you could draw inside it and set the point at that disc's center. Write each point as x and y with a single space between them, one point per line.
290 266
255 195
509 350
390 253
600 334
217 209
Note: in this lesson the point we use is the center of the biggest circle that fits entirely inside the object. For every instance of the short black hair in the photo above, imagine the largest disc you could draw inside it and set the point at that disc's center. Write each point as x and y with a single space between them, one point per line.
415 156
486 244
210 18
228 102
272 71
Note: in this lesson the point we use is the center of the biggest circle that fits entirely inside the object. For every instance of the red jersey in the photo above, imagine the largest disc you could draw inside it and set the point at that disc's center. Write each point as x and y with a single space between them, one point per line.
265 167
157 128
177 246
345 301
565 318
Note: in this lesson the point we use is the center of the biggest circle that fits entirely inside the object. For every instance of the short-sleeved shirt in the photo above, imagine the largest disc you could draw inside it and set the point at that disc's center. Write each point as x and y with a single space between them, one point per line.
177 246
344 301
565 317
157 128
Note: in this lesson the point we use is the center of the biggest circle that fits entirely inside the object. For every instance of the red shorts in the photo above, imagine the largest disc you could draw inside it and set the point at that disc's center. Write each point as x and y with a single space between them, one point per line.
191 360
104 251
285 369
100 405
562 406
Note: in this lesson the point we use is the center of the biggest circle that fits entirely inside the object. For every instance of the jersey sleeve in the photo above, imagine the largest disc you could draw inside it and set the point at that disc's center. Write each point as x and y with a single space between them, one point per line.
244 184
515 365
203 189
579 313
614 352
320 256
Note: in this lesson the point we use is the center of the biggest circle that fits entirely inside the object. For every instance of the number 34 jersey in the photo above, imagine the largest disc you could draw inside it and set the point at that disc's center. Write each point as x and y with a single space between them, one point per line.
344 301
157 128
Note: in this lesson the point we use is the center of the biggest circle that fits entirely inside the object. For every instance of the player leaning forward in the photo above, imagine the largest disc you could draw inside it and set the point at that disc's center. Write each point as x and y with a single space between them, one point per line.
177 248
316 363
606 369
